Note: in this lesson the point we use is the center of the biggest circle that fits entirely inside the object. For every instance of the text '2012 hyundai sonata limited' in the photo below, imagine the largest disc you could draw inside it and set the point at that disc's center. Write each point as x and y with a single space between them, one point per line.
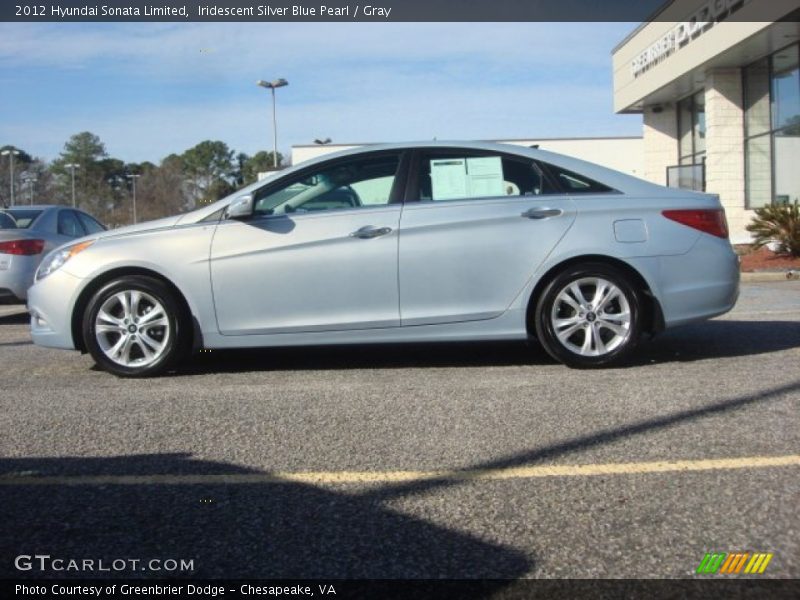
398 243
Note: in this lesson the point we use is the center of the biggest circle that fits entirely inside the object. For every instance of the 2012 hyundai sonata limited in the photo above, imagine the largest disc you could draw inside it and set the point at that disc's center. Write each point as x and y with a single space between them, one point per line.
398 243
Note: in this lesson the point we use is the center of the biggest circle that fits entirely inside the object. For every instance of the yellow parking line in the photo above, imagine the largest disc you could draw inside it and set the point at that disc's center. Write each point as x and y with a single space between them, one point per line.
339 477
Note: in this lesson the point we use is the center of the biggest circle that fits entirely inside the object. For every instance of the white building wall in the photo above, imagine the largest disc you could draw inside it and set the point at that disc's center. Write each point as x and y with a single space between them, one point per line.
725 147
660 134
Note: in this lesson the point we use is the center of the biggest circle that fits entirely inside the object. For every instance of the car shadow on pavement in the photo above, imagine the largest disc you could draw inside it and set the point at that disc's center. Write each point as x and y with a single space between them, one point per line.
707 340
719 339
234 521
261 528
20 318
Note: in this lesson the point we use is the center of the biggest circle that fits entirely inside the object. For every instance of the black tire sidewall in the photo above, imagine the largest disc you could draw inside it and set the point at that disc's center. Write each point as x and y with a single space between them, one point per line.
160 292
544 327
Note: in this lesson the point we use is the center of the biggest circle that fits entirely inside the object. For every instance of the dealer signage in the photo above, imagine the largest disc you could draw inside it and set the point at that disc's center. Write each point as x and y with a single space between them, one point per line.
683 33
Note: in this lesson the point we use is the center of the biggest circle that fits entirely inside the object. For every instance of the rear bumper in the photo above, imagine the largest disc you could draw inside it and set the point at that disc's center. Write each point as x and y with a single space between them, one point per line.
16 276
700 284
50 304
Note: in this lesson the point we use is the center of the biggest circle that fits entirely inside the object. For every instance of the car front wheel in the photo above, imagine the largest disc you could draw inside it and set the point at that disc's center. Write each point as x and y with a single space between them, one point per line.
589 316
134 327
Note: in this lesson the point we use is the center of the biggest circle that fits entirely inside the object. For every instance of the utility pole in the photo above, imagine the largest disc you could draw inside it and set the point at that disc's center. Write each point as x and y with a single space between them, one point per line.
133 178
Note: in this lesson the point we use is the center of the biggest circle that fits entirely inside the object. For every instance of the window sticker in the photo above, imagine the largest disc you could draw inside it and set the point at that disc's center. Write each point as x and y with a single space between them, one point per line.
449 178
479 177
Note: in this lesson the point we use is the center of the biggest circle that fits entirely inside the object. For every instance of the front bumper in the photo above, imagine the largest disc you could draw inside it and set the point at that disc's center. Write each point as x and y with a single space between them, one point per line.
50 303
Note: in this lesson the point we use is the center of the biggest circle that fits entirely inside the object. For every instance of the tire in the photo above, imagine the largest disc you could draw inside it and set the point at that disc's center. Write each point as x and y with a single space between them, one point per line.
582 330
126 341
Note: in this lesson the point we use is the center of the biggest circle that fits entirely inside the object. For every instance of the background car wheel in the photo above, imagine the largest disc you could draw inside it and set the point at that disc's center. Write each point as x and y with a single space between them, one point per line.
135 327
589 316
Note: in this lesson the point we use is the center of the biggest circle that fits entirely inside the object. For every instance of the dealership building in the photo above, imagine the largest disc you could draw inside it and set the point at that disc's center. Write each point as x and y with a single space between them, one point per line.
718 87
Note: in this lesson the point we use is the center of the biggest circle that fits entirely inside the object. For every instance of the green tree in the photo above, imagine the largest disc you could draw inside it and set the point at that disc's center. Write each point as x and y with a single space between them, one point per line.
208 166
251 166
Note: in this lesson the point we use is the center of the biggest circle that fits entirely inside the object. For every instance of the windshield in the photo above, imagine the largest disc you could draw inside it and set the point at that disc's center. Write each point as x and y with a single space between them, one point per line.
14 218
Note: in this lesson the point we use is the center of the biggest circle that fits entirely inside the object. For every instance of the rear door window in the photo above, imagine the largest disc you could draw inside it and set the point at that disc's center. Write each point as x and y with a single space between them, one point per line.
462 176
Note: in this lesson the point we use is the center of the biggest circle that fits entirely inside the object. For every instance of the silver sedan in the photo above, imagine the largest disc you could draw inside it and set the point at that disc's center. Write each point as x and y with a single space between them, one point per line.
398 243
27 234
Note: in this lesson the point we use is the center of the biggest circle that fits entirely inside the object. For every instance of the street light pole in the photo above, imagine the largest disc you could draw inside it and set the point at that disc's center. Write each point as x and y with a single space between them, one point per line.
272 86
11 153
29 179
72 167
133 179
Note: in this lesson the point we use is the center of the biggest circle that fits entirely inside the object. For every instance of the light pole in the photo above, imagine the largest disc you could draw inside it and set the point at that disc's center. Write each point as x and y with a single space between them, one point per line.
29 179
133 179
72 167
272 86
11 153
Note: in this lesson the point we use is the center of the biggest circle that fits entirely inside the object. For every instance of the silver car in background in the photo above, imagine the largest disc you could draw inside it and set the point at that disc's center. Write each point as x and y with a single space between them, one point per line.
27 234
398 243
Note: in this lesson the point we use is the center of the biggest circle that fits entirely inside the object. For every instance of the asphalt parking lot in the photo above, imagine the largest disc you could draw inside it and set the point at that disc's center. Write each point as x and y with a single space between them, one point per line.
474 460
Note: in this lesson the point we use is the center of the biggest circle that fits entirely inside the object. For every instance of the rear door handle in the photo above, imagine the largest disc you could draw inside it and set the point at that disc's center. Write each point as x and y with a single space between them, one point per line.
370 231
542 213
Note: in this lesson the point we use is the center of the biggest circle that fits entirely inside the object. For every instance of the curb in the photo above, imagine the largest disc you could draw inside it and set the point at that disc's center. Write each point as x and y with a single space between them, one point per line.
770 276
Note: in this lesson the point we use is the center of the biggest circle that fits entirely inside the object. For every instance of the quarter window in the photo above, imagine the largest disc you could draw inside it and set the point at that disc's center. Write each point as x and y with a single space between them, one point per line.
68 224
362 183
89 224
572 183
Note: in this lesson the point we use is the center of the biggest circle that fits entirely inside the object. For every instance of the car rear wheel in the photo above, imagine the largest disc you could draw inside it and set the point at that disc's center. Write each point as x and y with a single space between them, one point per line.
589 316
134 327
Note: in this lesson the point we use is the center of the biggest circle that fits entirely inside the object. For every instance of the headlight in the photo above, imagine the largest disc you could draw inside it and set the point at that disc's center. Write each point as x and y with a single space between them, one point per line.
55 260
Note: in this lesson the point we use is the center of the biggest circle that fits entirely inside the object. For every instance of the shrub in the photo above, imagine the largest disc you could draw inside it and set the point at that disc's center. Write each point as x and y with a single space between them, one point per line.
778 224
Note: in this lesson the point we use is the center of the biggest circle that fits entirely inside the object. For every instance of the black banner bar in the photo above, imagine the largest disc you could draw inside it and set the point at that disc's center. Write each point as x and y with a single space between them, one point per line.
357 10
499 589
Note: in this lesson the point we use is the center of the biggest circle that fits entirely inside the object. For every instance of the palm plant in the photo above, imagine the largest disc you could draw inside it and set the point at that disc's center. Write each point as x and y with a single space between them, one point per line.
777 224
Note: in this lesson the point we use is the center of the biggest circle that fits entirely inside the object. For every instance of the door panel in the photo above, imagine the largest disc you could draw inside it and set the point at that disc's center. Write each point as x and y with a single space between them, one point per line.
306 272
468 260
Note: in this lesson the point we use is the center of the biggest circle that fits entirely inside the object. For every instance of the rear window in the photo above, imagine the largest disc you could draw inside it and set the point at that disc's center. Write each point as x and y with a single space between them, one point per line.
15 218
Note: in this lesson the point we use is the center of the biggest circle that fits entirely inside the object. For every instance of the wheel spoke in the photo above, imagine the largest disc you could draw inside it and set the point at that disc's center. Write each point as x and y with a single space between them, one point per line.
156 313
599 346
599 297
620 331
108 318
577 293
567 333
586 349
136 297
622 317
124 300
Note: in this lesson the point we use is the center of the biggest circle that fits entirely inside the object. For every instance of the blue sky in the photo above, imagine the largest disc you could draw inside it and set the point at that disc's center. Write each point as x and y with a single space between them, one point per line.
150 89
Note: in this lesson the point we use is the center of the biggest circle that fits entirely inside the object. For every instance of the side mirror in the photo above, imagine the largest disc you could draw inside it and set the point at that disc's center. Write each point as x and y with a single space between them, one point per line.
241 207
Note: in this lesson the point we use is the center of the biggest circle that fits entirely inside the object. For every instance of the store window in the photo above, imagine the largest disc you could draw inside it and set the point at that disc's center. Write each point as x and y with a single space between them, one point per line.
772 128
692 129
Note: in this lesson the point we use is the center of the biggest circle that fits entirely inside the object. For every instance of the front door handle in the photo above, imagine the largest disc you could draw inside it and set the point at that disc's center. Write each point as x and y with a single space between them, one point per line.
542 213
370 231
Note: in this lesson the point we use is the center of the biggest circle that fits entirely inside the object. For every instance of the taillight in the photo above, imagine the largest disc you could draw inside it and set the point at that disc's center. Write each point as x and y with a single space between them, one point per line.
706 220
22 247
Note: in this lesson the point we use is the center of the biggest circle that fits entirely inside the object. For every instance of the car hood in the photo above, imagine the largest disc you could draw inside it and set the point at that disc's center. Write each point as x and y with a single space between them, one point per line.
164 223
